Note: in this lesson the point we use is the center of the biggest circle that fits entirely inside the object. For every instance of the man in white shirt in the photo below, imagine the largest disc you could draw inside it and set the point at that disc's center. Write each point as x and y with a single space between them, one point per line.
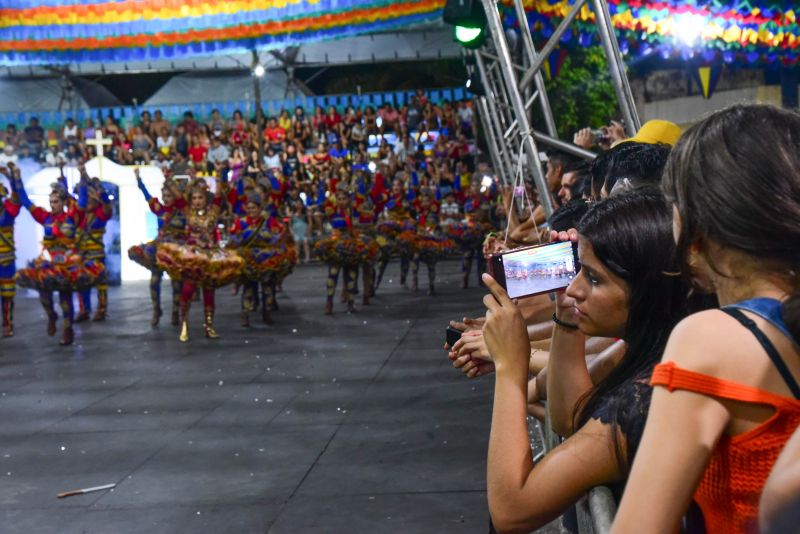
465 115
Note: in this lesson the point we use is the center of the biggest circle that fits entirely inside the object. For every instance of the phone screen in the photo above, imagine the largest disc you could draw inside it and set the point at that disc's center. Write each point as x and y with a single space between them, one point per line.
536 270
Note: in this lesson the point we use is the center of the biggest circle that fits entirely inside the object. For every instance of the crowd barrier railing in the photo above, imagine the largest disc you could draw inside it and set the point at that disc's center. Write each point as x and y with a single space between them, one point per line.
595 511
202 110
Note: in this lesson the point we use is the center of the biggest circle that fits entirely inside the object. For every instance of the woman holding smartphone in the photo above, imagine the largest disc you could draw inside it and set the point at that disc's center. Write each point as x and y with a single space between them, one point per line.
727 397
627 288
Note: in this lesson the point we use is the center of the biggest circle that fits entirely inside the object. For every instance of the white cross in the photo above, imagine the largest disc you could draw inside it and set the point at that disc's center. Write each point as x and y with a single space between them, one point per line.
98 143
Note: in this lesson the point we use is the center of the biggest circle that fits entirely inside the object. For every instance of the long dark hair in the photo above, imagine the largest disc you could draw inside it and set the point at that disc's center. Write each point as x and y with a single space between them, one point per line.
631 234
735 180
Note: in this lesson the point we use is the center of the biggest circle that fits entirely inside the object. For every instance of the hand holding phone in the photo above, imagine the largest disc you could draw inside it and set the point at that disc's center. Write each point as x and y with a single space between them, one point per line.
529 271
452 336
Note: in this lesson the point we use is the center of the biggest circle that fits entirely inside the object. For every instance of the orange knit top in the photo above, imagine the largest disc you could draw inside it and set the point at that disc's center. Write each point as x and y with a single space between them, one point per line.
739 466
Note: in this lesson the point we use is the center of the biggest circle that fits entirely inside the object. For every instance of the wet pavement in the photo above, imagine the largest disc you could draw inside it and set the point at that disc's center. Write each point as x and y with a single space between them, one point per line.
350 423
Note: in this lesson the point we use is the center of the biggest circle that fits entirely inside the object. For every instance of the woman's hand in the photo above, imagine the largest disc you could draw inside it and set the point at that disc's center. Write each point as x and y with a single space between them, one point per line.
565 306
473 368
505 331
469 366
584 138
468 324
473 344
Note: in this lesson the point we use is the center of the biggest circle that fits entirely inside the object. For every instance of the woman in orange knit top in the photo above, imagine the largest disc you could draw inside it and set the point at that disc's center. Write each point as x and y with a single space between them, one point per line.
726 396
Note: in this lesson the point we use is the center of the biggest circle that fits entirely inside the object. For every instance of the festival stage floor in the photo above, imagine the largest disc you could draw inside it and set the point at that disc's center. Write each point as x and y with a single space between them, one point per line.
350 423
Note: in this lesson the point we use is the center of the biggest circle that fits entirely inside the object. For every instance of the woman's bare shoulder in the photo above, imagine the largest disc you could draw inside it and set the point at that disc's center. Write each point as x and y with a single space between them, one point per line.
705 342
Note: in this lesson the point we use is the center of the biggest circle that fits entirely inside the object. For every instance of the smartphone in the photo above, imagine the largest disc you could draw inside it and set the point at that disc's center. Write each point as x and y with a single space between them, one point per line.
452 336
529 271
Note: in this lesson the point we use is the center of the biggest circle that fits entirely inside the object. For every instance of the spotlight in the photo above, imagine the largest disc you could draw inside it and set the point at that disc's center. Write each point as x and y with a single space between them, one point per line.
466 34
469 21
475 86
689 27
258 71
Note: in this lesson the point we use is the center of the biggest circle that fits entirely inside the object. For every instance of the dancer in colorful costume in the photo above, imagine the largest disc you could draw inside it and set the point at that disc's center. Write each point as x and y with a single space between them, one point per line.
200 262
171 229
370 198
471 233
60 268
94 210
429 244
397 219
346 249
268 256
9 209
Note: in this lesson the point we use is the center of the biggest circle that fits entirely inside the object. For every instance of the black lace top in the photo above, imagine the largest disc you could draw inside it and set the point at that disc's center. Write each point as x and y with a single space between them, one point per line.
627 406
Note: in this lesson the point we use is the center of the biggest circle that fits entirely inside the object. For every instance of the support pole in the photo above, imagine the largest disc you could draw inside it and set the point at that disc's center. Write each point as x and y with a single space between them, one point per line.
495 119
552 42
530 50
491 141
608 38
495 27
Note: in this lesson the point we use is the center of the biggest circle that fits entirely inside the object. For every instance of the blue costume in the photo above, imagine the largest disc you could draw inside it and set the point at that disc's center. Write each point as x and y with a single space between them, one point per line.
9 209
94 219
269 257
61 268
171 229
345 249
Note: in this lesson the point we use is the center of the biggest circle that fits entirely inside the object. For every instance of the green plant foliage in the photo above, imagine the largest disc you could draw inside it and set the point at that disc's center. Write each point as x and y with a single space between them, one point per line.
582 93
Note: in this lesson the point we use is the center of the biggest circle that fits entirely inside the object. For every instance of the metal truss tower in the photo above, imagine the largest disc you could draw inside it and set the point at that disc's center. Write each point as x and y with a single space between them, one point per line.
513 88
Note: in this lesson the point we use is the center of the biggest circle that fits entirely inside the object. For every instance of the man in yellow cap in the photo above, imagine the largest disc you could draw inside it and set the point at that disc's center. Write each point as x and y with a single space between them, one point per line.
655 131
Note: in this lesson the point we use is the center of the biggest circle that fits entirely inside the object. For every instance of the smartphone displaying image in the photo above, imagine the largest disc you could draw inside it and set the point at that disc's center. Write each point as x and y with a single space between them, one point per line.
530 271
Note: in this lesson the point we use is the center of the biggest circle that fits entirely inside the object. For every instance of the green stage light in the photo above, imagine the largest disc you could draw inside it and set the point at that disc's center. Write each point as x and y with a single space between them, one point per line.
466 34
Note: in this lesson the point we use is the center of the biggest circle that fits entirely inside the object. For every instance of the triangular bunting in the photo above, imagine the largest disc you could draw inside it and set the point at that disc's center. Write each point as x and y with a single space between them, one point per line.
707 77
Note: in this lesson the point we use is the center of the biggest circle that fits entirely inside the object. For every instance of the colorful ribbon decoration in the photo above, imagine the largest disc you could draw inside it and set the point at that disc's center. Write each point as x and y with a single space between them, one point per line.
747 31
67 31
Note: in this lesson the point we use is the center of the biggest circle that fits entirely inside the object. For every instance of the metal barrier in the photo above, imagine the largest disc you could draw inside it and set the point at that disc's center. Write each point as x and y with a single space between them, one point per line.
595 511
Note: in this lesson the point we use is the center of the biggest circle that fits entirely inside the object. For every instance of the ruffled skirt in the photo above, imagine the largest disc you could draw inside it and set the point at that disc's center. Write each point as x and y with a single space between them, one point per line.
205 267
391 229
432 248
347 249
267 264
406 243
429 248
145 255
67 273
468 235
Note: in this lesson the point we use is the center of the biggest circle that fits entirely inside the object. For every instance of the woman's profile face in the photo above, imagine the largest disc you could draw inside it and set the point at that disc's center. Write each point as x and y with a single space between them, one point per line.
601 297
199 200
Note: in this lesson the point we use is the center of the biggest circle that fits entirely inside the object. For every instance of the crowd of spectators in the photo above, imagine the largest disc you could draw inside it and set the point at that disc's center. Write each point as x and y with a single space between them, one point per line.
431 144
670 364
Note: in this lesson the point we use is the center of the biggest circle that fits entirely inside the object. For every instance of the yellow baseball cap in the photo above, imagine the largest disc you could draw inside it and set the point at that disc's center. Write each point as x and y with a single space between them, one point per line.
656 131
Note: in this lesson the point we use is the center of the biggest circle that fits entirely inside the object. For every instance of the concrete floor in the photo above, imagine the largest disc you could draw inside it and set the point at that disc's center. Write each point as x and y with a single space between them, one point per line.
351 423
